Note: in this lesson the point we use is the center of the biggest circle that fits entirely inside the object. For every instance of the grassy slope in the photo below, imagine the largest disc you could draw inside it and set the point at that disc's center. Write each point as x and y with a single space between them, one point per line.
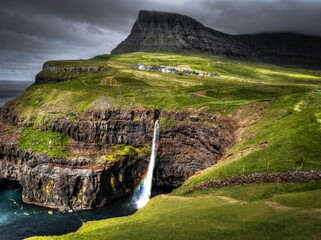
284 137
269 211
122 87
292 136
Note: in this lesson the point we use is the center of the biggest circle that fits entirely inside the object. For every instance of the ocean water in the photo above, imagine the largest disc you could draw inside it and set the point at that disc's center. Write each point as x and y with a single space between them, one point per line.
19 220
11 89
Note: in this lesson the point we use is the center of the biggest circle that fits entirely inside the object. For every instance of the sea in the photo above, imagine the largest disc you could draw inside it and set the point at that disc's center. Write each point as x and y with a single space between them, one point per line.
19 220
12 89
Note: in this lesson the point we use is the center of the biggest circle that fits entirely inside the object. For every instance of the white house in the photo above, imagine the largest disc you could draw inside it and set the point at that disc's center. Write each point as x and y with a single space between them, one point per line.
162 68
141 67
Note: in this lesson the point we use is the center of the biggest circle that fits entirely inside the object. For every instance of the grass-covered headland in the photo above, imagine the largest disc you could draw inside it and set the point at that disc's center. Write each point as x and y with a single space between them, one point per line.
279 114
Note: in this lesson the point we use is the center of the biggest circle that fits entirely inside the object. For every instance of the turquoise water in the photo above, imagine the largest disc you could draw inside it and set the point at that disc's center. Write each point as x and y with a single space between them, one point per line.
19 220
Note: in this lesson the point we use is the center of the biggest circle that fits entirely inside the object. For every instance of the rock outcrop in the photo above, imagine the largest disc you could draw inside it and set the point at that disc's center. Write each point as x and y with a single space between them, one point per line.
256 178
53 74
105 128
60 183
47 68
189 142
170 32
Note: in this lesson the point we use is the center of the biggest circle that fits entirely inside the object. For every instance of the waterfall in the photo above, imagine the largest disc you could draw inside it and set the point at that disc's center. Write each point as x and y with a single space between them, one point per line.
143 191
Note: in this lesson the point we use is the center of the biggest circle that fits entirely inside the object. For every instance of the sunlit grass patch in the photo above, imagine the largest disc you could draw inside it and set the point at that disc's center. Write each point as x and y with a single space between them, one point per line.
118 151
261 215
47 142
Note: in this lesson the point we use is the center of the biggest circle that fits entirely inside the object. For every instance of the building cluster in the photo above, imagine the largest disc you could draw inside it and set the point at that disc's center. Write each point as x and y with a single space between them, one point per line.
172 70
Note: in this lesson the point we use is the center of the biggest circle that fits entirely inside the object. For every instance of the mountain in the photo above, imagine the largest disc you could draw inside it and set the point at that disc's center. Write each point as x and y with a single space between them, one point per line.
171 32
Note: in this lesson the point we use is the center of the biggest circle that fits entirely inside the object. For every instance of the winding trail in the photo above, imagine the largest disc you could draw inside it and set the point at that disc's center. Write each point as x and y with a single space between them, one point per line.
229 200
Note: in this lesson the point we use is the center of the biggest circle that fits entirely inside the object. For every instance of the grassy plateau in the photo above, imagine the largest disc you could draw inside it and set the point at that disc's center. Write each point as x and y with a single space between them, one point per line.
279 113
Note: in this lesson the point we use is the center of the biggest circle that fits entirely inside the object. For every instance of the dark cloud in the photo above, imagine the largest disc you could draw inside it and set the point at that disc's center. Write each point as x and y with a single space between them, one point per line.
34 31
249 16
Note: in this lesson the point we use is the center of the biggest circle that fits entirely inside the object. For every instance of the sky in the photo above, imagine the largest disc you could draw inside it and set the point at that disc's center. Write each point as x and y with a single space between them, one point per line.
35 31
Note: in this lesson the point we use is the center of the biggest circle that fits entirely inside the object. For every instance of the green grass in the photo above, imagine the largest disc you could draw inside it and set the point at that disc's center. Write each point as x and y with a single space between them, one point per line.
217 216
119 150
255 192
292 135
241 83
50 143
308 199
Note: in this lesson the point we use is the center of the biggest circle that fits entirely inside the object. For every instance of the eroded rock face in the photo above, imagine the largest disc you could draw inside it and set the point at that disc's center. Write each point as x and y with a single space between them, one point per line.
189 142
58 183
133 127
128 127
65 73
162 31
48 68
170 32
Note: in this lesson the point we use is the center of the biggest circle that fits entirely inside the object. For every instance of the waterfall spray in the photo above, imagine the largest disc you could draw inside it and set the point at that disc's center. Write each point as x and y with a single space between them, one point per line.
143 191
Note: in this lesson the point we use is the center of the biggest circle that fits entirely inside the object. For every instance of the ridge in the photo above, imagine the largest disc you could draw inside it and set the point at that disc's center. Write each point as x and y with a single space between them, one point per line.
155 31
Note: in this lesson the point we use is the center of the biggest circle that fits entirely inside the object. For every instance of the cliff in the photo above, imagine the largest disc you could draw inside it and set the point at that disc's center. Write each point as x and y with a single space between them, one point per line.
170 32
69 185
92 175
107 157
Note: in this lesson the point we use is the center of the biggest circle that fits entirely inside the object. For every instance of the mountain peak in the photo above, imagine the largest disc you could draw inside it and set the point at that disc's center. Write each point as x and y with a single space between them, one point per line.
155 31
146 15
169 32
166 21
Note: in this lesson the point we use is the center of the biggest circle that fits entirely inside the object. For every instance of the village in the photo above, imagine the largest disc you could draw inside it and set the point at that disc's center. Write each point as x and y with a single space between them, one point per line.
173 70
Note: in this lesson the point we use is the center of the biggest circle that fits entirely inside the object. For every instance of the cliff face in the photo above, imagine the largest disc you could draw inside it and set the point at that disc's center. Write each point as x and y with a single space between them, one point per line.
171 32
189 142
51 74
161 31
104 128
84 180
58 183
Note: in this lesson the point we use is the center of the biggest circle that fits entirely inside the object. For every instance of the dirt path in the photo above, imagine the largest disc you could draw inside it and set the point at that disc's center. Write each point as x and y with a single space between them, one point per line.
202 94
277 205
228 200
175 197
232 200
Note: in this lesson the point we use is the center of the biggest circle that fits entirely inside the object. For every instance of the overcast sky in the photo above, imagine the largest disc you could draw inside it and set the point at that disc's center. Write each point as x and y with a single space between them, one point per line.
34 31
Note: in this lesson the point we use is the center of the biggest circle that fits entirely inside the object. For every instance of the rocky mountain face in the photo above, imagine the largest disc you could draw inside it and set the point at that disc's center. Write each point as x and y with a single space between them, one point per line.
171 32
189 142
